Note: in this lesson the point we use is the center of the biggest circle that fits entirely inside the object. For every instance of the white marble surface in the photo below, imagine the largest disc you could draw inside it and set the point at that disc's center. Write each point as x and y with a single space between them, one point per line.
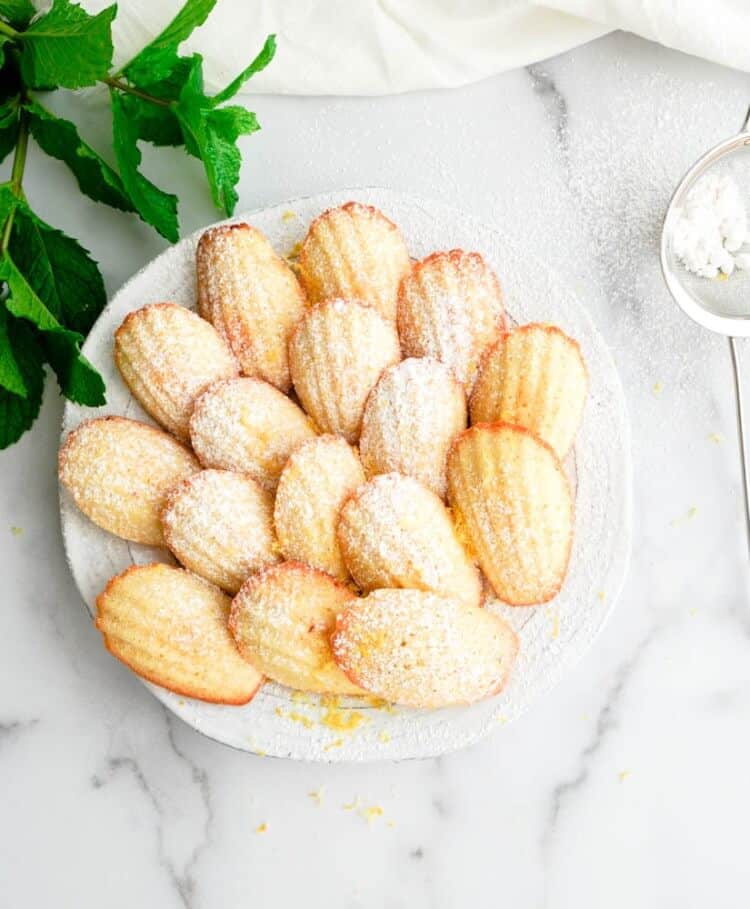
629 785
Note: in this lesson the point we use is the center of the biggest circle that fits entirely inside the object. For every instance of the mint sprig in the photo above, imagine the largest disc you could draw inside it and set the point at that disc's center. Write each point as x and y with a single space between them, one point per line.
51 289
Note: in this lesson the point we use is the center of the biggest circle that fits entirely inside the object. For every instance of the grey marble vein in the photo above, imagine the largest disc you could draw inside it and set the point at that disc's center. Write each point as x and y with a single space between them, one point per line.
9 729
606 721
554 103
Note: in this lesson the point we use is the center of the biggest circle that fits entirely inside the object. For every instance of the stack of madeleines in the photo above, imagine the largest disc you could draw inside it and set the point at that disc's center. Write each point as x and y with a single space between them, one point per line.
339 525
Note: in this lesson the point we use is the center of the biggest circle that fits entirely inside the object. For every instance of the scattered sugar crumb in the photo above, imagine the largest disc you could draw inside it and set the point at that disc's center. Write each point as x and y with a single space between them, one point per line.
691 513
722 276
301 697
372 813
16 531
501 719
384 737
390 824
317 796
341 720
601 596
554 614
353 805
657 389
294 251
336 743
261 828
715 437
288 215
623 775
295 717
693 611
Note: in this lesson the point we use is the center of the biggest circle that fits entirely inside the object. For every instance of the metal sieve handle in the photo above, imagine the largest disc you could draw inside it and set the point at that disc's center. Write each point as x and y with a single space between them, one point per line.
741 434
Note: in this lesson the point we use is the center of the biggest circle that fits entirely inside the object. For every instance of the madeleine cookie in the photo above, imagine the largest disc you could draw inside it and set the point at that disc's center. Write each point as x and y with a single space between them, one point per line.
450 308
512 499
412 415
249 426
282 620
167 356
252 298
354 252
170 627
423 650
337 353
316 480
119 472
533 376
394 532
219 524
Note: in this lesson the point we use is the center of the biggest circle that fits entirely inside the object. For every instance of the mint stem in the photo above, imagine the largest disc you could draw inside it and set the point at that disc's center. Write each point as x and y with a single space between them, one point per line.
16 175
113 82
8 30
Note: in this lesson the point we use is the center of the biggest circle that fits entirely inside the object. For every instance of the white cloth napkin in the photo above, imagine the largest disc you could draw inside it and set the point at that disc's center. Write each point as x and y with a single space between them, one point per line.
374 47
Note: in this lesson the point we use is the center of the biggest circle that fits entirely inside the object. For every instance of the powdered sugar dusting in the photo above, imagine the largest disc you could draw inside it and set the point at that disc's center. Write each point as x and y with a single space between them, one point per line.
412 415
219 524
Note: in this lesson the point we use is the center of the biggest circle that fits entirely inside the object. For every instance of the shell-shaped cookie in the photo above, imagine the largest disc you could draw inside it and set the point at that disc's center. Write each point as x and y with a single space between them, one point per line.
170 627
167 356
394 532
251 296
337 354
313 486
412 415
419 649
450 308
249 426
282 620
511 498
219 524
355 252
119 472
533 376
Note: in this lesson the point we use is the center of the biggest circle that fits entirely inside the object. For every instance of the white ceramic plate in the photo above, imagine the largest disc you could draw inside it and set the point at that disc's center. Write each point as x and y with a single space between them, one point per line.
553 637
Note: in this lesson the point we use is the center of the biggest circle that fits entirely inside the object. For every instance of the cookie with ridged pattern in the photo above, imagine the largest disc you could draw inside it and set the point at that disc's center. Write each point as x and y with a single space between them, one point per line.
316 480
251 296
354 251
170 627
167 356
394 532
282 620
533 376
337 353
419 649
511 498
119 472
219 524
412 415
248 426
450 307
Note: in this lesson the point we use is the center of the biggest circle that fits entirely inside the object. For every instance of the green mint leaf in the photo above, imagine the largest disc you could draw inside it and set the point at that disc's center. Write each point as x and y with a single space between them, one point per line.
154 123
17 12
17 413
153 205
59 138
61 272
78 379
212 134
67 47
261 62
11 377
158 59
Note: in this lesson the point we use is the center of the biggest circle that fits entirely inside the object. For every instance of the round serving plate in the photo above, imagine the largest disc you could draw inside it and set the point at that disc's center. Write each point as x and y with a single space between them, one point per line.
553 637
